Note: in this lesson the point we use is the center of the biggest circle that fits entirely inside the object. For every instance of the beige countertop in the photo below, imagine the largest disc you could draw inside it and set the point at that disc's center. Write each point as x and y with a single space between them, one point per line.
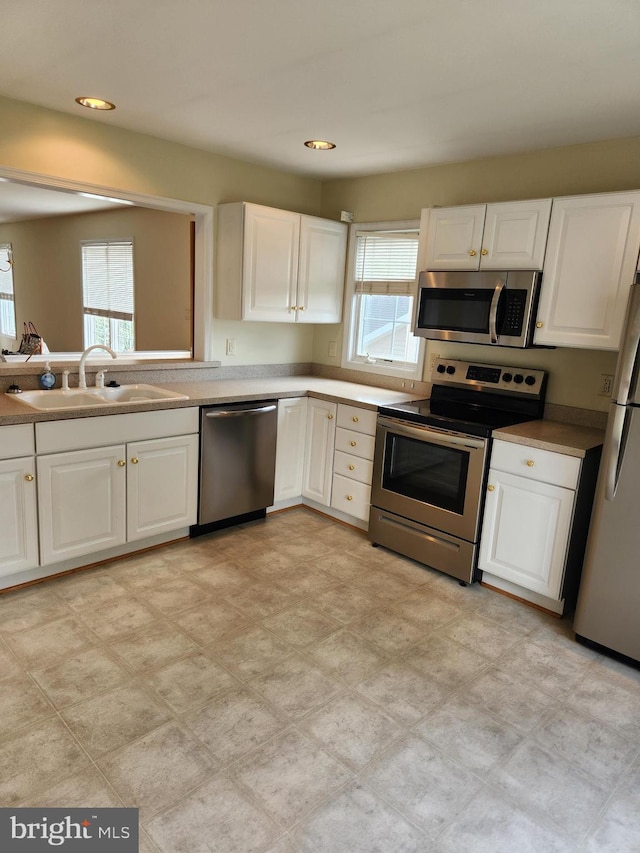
559 437
12 411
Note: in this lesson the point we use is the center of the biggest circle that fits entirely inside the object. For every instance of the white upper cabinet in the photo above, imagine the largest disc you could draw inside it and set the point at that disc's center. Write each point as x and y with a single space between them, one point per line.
591 259
278 266
510 235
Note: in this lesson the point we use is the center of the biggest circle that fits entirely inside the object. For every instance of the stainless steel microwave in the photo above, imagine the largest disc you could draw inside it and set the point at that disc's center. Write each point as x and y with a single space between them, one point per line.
497 308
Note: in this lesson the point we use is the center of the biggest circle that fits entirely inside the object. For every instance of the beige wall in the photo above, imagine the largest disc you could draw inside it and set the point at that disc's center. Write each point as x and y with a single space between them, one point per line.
573 170
93 151
48 274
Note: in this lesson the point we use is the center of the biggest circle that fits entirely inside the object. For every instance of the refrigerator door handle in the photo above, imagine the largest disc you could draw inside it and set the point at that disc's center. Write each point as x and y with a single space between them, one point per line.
611 462
629 352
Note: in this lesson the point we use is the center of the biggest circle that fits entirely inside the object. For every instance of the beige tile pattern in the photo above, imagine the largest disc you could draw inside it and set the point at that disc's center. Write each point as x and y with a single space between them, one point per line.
283 687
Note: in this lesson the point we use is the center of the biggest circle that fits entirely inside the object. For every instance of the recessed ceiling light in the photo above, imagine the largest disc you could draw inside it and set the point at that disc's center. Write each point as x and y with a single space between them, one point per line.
320 144
95 103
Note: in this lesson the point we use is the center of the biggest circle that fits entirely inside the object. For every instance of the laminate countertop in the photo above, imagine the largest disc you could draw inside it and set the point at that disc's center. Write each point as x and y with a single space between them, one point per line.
570 439
221 391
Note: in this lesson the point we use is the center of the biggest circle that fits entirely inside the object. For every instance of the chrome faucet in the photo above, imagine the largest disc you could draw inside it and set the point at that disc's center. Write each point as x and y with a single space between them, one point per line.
82 380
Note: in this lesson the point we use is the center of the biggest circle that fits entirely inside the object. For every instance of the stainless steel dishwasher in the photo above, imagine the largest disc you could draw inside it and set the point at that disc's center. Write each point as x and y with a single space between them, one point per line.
237 462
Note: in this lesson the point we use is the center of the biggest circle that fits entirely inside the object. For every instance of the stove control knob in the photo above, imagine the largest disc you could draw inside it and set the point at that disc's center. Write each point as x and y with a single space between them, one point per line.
450 369
530 380
507 377
518 379
441 368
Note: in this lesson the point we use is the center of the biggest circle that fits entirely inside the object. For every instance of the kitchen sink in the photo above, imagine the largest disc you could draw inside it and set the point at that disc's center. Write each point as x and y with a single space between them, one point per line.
79 398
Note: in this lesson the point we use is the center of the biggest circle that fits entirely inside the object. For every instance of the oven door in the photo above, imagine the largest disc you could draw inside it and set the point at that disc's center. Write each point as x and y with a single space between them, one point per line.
429 476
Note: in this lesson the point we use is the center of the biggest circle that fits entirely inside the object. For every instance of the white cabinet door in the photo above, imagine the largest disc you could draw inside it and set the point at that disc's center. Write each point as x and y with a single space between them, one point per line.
320 441
81 502
323 245
162 485
292 428
590 263
515 235
525 534
18 516
270 269
454 237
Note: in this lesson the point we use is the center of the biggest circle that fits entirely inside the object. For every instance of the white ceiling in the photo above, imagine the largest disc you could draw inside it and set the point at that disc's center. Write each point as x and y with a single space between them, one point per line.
396 84
21 201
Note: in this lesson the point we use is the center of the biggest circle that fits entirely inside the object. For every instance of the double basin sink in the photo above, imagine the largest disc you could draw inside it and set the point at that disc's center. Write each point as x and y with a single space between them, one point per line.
79 398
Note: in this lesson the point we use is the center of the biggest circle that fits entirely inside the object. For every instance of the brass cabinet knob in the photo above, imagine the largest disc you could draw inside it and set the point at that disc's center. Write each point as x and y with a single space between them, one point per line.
352 467
355 420
293 308
530 463
349 497
330 417
353 443
301 308
472 253
121 463
490 488
28 478
134 460
485 251
539 325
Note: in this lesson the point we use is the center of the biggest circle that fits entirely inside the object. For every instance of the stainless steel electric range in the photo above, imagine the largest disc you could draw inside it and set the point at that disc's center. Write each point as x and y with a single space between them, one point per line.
431 461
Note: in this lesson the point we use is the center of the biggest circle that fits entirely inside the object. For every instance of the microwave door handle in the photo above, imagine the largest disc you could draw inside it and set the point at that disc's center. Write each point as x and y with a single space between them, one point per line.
493 313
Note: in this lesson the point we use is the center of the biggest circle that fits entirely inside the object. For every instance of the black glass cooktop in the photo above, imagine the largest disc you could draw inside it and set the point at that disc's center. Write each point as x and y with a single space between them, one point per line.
466 418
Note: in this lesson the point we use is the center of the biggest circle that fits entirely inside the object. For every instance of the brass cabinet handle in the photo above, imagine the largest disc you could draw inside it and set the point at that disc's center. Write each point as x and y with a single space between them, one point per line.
530 463
353 443
539 325
352 467
134 460
490 488
349 497
330 417
485 251
28 478
472 253
121 463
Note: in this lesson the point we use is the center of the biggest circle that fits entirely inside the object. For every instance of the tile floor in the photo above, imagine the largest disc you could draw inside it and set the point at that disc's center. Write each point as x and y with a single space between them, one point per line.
286 688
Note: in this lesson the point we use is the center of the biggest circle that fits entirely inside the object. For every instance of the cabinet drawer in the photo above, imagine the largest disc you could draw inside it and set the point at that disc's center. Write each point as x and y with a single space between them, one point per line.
81 433
353 467
543 465
351 497
16 441
355 418
355 443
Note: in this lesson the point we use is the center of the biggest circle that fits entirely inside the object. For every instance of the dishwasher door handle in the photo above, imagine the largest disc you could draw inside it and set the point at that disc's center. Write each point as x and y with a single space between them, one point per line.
237 413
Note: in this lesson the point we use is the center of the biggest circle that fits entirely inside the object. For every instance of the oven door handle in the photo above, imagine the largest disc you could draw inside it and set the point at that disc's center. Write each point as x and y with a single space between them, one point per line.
493 312
426 434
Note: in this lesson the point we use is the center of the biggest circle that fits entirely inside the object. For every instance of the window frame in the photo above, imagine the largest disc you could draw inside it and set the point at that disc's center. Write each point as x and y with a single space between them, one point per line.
9 298
111 316
350 361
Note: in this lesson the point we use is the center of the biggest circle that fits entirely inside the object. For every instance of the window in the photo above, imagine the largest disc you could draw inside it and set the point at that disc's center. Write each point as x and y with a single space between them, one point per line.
7 303
107 287
379 309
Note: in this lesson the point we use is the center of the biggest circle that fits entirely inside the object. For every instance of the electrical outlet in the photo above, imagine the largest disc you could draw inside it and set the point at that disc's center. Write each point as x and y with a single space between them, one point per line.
231 346
333 349
432 360
606 385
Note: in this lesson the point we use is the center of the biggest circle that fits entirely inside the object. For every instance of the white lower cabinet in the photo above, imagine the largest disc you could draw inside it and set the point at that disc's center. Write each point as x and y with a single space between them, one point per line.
292 428
142 483
535 520
81 502
18 508
353 461
319 445
18 516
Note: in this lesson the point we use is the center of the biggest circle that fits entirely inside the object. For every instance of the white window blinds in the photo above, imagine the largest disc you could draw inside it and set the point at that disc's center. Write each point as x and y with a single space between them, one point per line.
107 279
386 262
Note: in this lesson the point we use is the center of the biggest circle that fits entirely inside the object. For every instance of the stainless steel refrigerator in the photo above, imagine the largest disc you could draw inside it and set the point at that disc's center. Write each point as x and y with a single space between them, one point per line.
608 608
